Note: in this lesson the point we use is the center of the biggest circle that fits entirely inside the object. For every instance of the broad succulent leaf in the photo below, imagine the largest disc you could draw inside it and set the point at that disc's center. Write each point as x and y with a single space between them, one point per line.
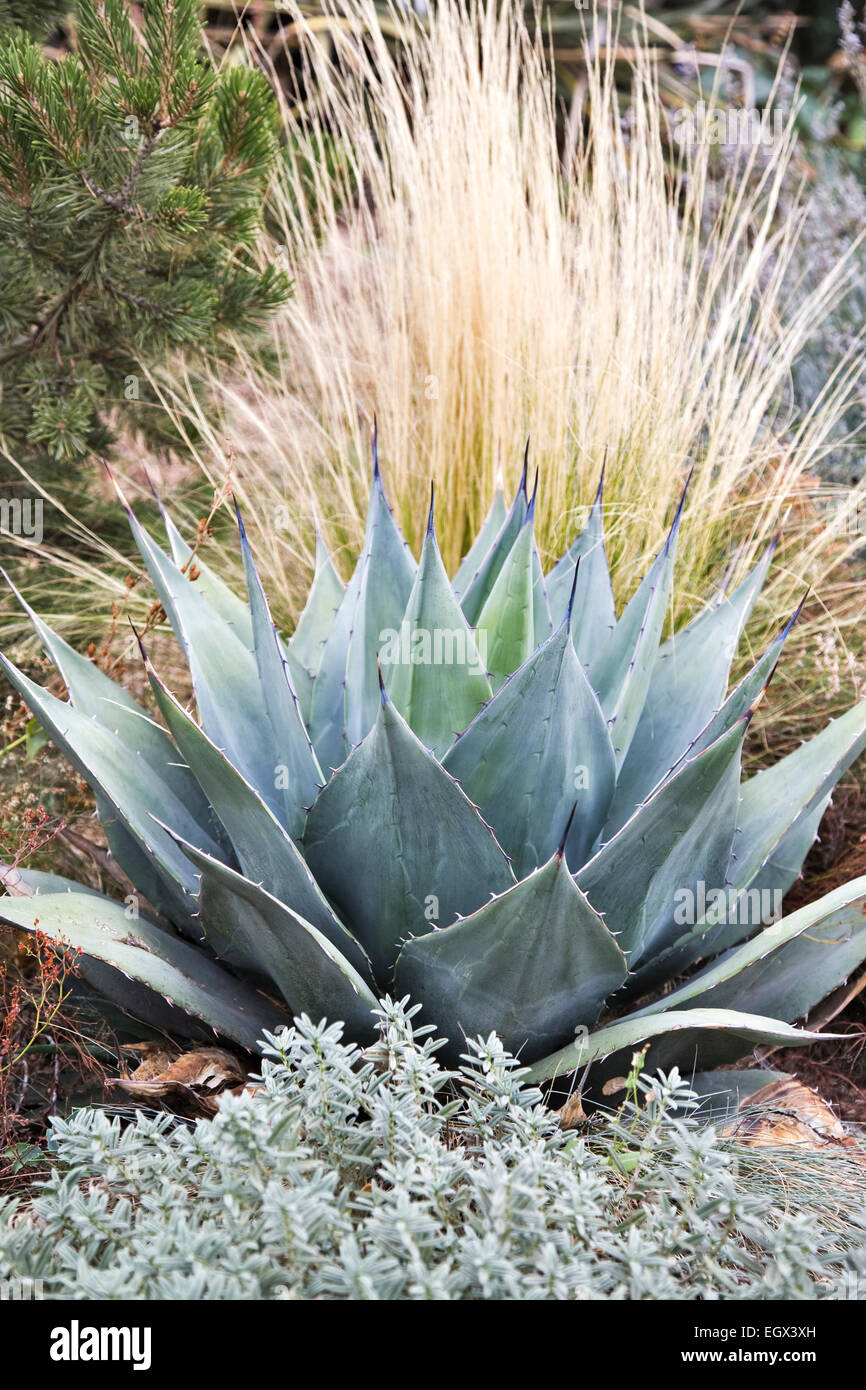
219 596
141 867
396 844
387 575
427 847
130 788
312 975
307 644
440 693
618 1040
224 673
782 868
480 547
172 968
266 852
772 882
785 970
138 1007
594 597
542 623
480 586
681 836
622 671
296 770
506 620
327 717
686 689
793 980
95 694
761 897
136 1000
778 799
766 966
539 746
346 695
530 965
744 697
22 881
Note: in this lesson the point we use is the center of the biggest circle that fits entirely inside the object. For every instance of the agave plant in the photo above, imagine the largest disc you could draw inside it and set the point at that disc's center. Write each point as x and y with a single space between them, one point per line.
492 794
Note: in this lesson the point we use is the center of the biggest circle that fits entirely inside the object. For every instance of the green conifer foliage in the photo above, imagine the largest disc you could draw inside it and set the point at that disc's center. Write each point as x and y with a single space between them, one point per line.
38 17
132 179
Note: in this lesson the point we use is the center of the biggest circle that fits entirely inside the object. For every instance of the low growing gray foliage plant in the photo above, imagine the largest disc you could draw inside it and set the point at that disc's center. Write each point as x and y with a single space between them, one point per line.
351 1175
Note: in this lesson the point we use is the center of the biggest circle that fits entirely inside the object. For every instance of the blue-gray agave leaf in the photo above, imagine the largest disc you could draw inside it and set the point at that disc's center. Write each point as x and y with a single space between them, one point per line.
594 598
539 746
622 670
687 687
310 972
307 645
177 971
533 965
345 698
542 623
221 598
681 837
397 845
432 667
126 787
490 528
683 1029
224 673
506 622
783 971
780 797
137 1001
478 589
265 851
295 770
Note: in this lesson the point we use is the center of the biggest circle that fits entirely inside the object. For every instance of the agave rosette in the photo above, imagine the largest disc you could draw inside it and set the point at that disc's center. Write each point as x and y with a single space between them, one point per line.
493 794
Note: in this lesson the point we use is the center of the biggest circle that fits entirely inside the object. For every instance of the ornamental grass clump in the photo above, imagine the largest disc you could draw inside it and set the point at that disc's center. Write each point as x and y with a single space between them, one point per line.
476 275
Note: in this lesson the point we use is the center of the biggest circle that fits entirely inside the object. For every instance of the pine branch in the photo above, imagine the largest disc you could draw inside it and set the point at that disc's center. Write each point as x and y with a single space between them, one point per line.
132 178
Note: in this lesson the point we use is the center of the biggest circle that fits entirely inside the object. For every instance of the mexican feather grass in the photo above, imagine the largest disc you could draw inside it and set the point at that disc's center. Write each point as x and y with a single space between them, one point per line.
474 280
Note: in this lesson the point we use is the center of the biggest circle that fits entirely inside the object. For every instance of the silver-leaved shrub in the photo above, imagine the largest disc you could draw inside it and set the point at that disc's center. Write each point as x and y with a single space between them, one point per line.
361 1175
